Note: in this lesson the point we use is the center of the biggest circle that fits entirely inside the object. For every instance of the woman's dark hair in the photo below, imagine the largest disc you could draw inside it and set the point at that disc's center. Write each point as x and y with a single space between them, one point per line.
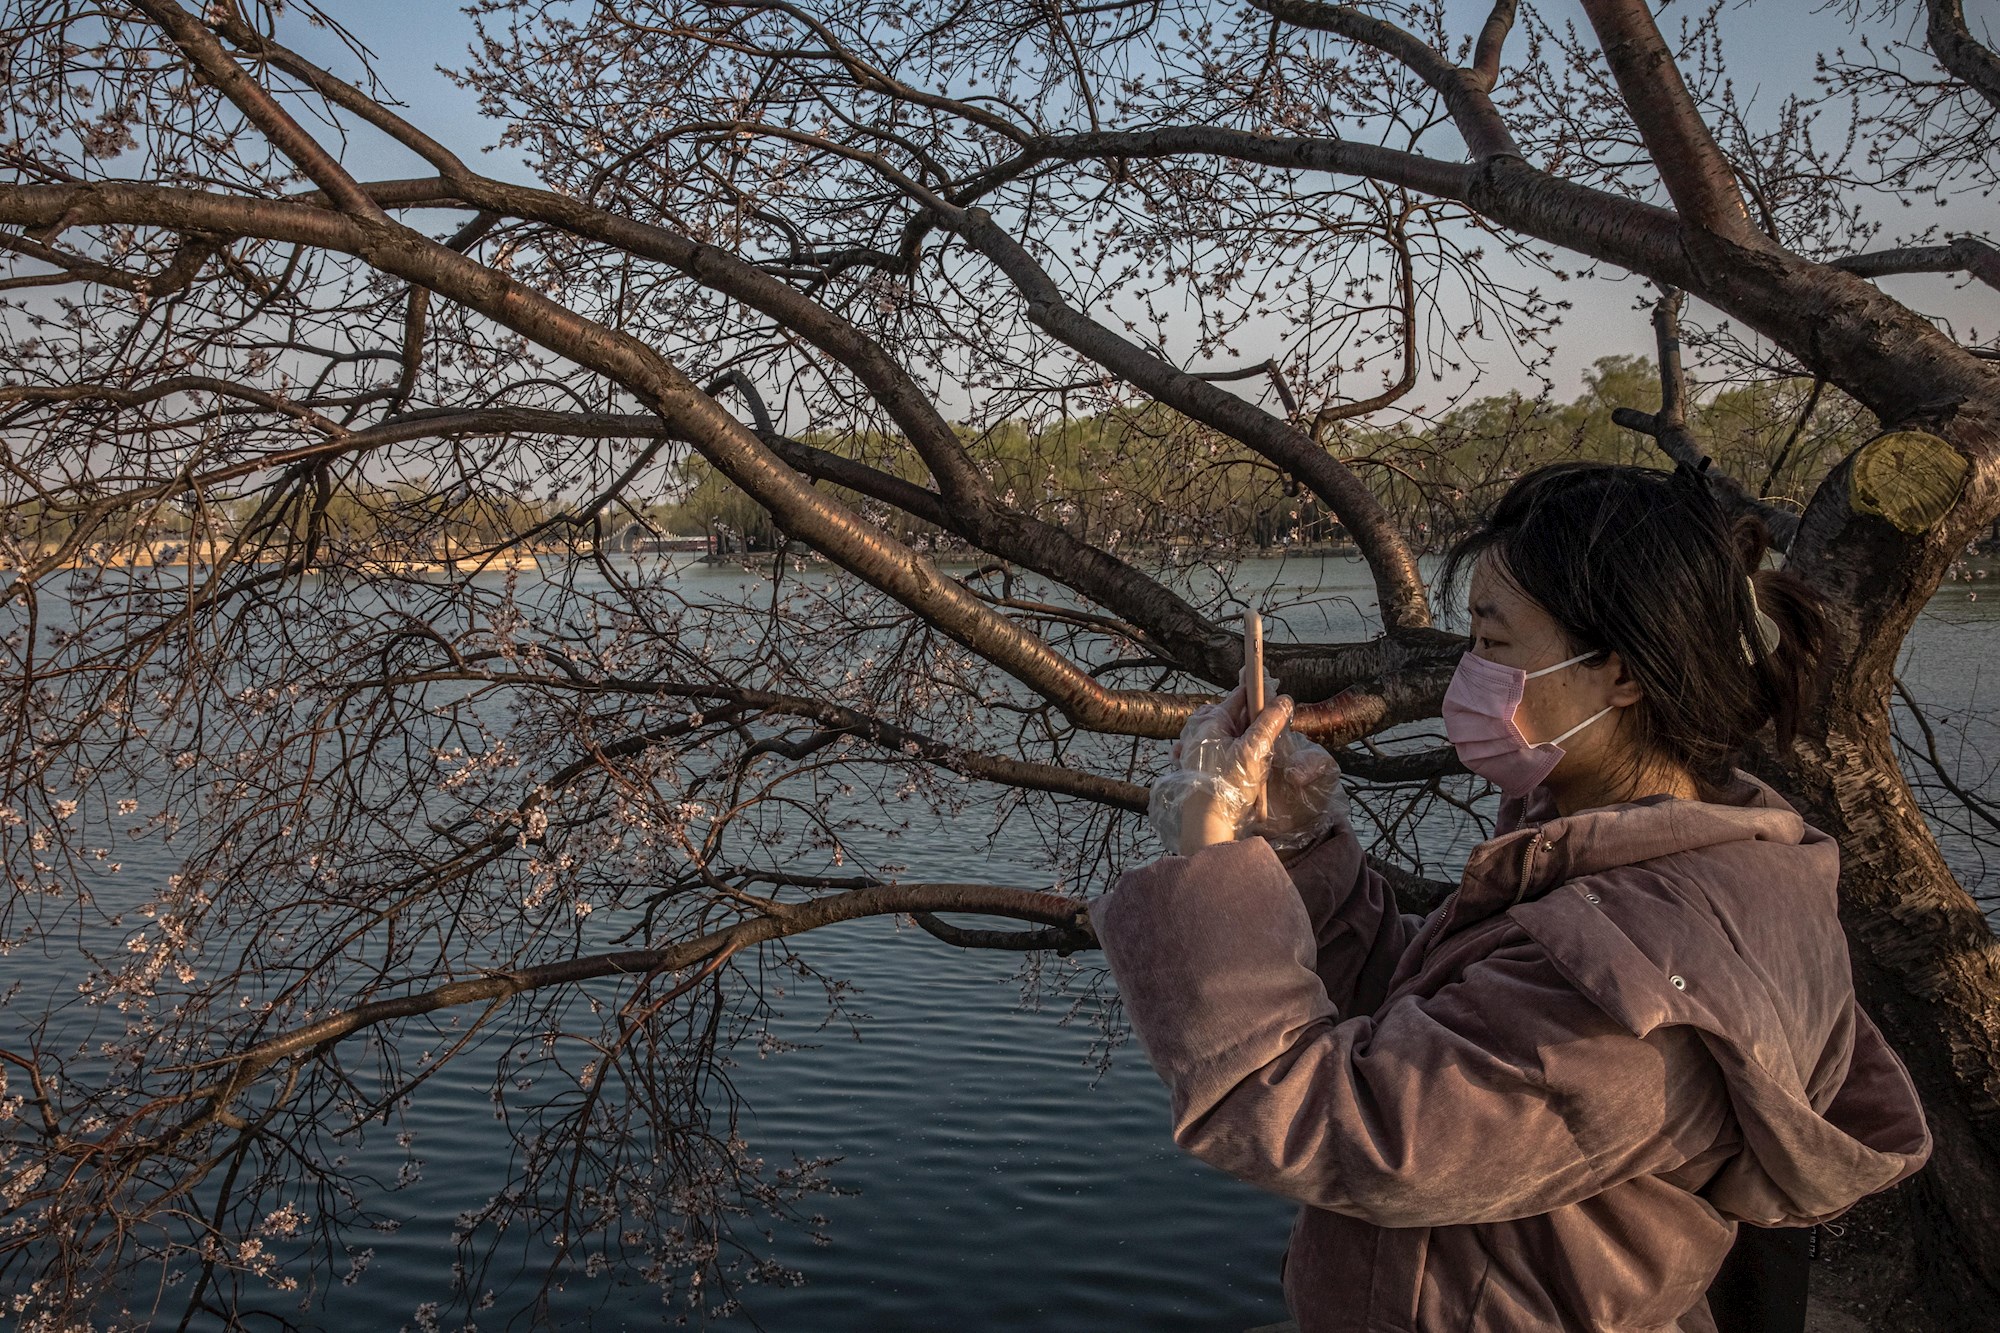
1645 564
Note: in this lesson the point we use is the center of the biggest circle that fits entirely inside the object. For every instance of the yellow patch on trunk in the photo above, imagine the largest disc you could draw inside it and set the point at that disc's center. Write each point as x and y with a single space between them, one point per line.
1909 477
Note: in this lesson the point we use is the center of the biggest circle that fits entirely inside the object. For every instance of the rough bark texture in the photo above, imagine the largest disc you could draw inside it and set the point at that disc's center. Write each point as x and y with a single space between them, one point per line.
1926 962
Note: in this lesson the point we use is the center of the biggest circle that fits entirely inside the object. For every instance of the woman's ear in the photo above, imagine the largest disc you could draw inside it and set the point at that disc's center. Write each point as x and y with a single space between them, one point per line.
1625 690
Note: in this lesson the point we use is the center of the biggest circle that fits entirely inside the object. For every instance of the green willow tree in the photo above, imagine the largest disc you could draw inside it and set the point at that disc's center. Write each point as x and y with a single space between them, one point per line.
579 808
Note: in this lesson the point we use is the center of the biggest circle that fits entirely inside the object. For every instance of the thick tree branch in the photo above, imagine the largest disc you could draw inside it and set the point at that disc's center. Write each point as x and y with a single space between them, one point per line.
1464 90
1952 42
1507 190
1399 587
138 395
1341 157
1691 164
1064 940
416 313
1410 694
206 54
1837 327
1002 769
973 512
1671 421
188 259
1046 909
1971 254
1415 766
416 316
821 522
824 465
1492 37
338 91
1406 302
1269 368
1669 426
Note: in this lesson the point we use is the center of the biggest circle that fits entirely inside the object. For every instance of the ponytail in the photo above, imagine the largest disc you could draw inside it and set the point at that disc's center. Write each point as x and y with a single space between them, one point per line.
1788 674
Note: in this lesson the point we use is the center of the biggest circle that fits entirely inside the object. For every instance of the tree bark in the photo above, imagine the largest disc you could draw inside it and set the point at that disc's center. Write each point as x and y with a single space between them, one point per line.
1927 971
1926 963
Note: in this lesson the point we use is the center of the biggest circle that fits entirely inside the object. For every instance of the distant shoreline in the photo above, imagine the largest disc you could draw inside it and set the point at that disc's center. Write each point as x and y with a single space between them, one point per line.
1976 568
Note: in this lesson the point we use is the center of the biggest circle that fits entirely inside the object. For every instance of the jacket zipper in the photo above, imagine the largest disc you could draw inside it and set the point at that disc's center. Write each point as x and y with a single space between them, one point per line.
1439 921
1528 861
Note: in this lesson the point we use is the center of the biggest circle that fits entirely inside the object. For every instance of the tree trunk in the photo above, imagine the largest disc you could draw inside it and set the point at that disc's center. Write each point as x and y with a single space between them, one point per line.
1926 963
1927 970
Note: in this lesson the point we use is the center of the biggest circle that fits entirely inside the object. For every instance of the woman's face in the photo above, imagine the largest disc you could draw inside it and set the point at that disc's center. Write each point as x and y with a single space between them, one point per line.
1508 627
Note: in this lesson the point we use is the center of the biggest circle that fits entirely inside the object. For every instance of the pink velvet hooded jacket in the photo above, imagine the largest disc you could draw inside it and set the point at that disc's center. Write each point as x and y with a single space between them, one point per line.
1548 1104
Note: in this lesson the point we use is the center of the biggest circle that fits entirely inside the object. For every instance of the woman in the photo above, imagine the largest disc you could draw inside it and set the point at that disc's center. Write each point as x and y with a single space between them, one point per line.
1550 1103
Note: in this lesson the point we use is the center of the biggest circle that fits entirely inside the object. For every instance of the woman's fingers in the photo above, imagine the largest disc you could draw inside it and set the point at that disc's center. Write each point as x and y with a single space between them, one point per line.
1308 766
1236 707
1253 751
1306 763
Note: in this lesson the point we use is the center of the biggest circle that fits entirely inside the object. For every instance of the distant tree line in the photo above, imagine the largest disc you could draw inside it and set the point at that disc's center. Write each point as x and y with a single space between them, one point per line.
1145 477
413 519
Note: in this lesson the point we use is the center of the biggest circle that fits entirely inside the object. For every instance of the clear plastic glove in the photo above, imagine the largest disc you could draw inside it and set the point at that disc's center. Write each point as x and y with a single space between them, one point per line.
1222 759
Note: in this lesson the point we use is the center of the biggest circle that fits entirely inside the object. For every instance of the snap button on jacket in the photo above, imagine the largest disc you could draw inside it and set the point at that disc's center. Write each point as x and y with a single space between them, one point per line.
1548 1104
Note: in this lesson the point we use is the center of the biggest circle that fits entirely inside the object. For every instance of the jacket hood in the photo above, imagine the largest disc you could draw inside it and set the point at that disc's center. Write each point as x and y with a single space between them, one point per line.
1536 848
1722 916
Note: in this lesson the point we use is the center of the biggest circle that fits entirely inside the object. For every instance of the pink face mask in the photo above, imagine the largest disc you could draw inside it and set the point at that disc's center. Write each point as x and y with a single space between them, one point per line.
1479 719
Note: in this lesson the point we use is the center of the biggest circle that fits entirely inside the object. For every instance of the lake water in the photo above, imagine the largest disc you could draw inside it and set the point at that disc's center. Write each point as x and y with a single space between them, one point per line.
994 1178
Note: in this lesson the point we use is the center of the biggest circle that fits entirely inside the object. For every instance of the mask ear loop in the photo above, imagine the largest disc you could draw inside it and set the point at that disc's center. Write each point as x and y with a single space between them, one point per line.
1608 708
1580 657
1566 662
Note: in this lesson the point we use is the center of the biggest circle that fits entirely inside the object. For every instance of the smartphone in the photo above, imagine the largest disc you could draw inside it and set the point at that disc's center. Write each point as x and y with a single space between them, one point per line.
1253 660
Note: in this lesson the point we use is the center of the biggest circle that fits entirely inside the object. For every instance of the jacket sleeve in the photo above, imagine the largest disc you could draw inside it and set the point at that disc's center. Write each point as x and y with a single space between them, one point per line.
1504 1094
1359 935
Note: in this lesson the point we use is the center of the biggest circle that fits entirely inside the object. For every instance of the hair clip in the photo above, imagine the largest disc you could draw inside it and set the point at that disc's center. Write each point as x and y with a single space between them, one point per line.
1767 628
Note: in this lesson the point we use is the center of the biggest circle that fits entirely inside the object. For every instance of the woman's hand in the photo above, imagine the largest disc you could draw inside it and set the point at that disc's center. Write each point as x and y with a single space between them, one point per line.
1223 758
